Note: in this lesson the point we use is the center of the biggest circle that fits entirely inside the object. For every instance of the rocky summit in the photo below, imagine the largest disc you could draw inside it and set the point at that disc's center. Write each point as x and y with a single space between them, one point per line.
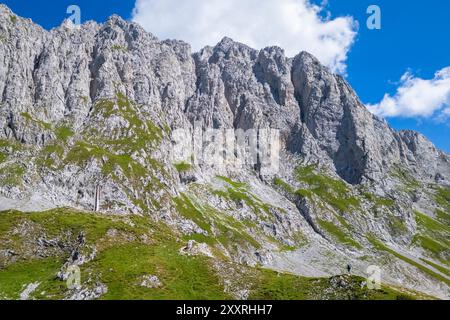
95 191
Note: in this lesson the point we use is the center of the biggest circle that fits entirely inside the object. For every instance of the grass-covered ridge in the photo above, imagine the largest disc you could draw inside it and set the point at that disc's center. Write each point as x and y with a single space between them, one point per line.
331 191
139 247
442 198
139 133
30 120
381 247
221 228
182 166
12 174
130 247
239 193
338 233
433 236
289 287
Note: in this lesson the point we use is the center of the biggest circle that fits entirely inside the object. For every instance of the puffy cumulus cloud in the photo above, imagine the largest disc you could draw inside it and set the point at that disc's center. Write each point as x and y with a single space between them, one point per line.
416 97
294 25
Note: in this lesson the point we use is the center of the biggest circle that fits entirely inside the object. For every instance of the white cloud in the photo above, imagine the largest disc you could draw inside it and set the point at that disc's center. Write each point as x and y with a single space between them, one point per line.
416 97
294 25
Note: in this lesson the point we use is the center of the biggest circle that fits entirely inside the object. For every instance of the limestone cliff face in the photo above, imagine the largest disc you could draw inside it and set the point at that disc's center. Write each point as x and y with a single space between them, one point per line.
96 105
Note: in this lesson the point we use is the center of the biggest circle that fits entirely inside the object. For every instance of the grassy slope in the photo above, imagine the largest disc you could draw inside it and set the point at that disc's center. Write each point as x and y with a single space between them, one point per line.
142 247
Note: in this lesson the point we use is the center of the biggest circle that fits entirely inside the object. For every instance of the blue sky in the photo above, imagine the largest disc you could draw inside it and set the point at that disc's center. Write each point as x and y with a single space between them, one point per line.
415 37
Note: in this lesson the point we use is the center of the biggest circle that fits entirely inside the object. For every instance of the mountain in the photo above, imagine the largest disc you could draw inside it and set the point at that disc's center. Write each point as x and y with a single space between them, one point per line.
98 112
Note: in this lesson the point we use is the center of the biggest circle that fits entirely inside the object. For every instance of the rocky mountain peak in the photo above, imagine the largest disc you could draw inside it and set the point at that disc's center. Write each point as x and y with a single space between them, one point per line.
4 9
252 88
